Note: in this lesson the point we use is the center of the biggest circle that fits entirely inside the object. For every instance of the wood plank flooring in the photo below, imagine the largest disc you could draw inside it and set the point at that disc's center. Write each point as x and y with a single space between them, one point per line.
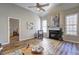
51 47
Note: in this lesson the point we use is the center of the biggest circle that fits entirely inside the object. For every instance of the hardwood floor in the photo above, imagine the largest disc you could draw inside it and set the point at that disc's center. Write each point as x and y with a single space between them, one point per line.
51 47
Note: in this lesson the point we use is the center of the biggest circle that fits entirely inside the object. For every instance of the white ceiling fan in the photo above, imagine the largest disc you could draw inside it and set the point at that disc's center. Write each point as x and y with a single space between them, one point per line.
39 6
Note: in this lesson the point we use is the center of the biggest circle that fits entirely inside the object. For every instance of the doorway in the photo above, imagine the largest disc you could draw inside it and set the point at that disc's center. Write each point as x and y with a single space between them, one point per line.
44 28
13 30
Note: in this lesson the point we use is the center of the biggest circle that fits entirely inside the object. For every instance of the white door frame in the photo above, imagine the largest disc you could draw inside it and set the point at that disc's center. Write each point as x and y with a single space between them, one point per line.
9 27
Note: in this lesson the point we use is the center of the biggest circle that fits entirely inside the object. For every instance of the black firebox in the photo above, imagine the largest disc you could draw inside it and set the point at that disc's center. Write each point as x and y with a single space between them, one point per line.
55 34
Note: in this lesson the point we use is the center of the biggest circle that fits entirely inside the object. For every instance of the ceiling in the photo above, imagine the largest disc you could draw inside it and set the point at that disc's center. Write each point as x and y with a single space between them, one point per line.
26 6
52 7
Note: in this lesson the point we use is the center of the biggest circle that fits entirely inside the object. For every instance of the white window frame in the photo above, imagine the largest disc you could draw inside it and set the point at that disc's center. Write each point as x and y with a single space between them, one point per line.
71 31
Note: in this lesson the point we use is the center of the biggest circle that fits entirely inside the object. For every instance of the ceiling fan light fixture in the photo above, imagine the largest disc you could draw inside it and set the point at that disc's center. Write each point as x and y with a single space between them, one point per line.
38 9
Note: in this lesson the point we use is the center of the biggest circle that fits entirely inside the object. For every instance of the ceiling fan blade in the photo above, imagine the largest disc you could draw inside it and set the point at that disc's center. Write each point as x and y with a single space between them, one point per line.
31 6
42 9
44 5
37 5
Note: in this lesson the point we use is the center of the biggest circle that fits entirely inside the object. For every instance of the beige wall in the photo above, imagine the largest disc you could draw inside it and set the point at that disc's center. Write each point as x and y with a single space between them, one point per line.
68 37
63 13
16 12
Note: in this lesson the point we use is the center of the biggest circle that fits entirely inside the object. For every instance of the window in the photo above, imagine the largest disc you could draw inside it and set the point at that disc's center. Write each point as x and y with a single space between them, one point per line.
71 24
44 26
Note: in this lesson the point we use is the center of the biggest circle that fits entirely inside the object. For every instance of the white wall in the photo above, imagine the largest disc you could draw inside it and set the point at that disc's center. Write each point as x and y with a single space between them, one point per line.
11 10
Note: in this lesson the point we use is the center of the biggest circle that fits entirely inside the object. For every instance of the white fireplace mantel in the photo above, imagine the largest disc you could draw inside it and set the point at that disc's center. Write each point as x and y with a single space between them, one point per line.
56 28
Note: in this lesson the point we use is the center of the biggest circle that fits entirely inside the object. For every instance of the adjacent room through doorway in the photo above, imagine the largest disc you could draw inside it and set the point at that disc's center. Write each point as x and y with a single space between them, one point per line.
14 30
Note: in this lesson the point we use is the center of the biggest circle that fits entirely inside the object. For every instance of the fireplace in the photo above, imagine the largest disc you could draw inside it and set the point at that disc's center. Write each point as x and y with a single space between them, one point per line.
55 34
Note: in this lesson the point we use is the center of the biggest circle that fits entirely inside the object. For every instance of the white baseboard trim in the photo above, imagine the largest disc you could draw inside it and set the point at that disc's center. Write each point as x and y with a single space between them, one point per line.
5 43
26 39
71 41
